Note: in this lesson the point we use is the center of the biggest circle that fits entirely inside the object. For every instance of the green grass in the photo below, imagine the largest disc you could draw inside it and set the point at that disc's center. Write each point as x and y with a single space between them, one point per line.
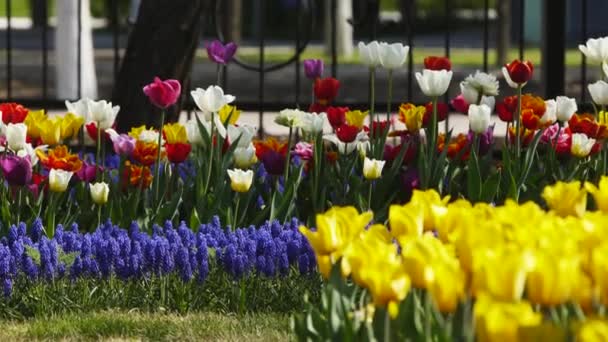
133 325
460 56
19 8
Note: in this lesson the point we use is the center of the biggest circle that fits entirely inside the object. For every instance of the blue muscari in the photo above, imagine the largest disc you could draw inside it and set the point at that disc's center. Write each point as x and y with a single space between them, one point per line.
269 250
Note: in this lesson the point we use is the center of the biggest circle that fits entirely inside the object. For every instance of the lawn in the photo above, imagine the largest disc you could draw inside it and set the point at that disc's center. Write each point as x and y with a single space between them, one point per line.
459 56
135 325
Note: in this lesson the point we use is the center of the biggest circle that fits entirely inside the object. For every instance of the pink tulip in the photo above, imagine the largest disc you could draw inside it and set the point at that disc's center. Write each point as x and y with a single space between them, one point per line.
303 150
460 104
163 94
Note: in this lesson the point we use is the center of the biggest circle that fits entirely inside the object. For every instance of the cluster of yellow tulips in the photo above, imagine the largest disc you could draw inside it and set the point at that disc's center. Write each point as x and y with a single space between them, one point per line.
522 270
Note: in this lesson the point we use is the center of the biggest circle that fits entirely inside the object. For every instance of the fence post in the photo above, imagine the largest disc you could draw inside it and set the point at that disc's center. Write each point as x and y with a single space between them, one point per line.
554 47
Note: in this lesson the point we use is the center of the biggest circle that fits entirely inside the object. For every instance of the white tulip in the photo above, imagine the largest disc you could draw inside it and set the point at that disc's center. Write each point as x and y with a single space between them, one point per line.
244 132
478 84
372 168
193 132
393 56
79 108
149 136
596 50
434 83
566 107
599 92
605 68
550 115
59 180
244 157
211 100
28 150
313 123
370 54
99 192
479 118
240 180
344 148
16 135
581 145
290 118
363 147
102 113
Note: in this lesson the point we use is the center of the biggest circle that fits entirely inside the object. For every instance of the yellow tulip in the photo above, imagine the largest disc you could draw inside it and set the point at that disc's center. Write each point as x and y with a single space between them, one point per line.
585 292
50 131
336 229
566 199
449 286
229 114
356 118
370 241
433 205
419 253
593 331
599 270
599 193
552 280
136 131
406 219
502 321
175 133
70 125
501 273
383 275
412 116
32 120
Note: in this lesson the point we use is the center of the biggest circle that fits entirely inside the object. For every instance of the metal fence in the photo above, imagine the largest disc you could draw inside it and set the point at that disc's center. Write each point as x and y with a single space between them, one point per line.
554 47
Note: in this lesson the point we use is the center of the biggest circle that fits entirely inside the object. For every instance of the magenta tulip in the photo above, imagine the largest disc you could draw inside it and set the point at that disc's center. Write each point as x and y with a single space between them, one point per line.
220 53
313 68
16 170
163 94
87 172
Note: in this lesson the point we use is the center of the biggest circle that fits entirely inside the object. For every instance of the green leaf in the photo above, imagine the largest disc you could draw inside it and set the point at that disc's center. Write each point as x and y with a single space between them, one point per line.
473 178
33 253
491 187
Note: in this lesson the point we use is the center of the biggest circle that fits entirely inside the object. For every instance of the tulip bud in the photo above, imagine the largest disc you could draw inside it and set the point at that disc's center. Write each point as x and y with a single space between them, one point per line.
581 145
372 168
16 135
99 193
244 157
59 180
370 54
313 68
599 92
518 73
240 181
437 63
479 118
566 107
393 56
434 83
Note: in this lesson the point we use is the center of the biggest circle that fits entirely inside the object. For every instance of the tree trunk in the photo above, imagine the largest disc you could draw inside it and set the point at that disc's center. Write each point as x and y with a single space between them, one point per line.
163 43
503 32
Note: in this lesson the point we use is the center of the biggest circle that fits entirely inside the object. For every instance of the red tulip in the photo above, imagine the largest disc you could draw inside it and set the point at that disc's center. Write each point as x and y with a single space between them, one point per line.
326 89
163 94
520 72
178 152
347 133
437 63
336 116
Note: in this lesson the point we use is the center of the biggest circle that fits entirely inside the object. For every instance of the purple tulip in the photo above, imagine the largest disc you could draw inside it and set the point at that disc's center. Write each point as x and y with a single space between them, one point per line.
16 170
87 172
123 144
220 53
163 94
485 140
313 68
410 180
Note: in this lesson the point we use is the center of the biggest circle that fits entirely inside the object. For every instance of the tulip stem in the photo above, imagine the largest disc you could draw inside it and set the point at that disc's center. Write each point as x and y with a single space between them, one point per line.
98 215
387 326
369 196
19 198
427 317
389 98
432 139
98 156
518 123
288 157
236 212
160 137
